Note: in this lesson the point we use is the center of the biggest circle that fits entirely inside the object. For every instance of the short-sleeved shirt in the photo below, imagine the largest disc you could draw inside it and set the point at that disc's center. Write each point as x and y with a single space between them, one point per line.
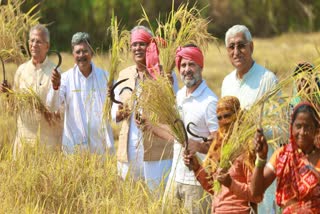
199 108
254 84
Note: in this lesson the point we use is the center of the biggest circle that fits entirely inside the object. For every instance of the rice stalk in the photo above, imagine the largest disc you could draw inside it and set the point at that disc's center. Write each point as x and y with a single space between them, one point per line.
14 30
158 103
119 49
184 26
310 92
26 101
274 121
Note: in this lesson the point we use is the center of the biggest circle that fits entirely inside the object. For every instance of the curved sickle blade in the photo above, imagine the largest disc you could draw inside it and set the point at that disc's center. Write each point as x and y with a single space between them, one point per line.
195 135
3 71
59 58
112 95
125 88
185 132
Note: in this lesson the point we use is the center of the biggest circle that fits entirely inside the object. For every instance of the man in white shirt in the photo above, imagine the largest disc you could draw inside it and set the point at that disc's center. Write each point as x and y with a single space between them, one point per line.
82 89
35 75
248 82
197 104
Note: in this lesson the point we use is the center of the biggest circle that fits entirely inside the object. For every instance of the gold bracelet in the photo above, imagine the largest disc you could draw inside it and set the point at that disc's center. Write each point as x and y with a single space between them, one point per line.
260 163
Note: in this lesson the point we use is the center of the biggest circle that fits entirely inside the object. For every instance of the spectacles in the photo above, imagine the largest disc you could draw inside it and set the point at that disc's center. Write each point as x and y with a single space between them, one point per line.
240 46
224 116
35 42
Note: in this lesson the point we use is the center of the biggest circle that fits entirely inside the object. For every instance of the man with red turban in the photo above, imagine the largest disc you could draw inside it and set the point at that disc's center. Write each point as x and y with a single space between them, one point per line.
197 104
139 156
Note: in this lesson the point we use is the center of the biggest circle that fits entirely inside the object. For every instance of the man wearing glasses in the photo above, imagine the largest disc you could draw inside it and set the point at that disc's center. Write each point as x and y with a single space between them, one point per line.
248 82
35 75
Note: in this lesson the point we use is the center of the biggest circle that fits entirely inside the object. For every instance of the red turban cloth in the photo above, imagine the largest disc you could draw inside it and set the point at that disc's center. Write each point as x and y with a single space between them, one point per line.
152 52
190 53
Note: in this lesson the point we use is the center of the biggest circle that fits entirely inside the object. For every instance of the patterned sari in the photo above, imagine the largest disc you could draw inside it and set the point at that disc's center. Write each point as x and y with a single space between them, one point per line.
298 188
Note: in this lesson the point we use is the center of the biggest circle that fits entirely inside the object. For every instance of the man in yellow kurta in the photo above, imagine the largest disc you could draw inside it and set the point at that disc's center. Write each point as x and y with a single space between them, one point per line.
35 74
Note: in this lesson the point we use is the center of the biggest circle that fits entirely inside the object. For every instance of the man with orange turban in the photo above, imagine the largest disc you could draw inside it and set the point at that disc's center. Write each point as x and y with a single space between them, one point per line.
197 104
139 156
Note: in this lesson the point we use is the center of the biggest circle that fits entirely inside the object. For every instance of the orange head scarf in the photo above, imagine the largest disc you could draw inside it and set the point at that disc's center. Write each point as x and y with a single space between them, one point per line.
190 53
152 51
227 108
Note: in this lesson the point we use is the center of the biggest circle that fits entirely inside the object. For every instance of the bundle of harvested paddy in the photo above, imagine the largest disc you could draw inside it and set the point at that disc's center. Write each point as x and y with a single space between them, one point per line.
26 101
269 113
184 26
157 102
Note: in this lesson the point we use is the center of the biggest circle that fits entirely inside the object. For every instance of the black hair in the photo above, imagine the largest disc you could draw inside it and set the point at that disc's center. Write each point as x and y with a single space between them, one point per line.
306 108
308 68
190 45
303 67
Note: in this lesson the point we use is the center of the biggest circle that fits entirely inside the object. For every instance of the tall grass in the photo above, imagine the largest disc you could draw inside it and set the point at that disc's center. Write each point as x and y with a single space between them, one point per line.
272 113
14 30
183 26
157 101
119 49
42 181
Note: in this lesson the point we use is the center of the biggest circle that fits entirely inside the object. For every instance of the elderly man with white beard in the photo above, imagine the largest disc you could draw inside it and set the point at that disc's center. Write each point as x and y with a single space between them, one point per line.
197 104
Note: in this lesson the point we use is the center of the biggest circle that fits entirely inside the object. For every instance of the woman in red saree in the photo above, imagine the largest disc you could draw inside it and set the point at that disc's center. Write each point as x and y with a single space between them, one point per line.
295 165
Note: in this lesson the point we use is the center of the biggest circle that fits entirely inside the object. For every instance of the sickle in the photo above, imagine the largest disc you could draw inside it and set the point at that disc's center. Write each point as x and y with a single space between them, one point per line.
112 95
59 58
185 132
193 134
4 72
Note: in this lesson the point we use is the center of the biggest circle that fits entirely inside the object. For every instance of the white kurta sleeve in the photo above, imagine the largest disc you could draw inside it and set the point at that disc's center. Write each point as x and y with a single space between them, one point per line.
56 98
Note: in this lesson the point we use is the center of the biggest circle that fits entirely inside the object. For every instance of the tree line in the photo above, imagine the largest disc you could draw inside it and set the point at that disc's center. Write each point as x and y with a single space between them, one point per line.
263 17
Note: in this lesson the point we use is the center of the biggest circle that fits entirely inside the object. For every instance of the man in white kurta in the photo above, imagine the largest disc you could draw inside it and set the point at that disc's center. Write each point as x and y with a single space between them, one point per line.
82 89
248 82
32 125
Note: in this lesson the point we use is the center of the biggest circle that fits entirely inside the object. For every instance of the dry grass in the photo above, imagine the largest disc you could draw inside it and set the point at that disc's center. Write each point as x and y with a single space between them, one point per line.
118 52
46 182
183 26
162 108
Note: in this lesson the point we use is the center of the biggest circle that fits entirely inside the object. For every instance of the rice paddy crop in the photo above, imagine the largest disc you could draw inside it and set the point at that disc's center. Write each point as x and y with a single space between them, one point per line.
44 181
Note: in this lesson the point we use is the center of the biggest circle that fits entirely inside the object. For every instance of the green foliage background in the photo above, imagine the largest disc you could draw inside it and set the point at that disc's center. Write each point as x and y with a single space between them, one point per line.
265 18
